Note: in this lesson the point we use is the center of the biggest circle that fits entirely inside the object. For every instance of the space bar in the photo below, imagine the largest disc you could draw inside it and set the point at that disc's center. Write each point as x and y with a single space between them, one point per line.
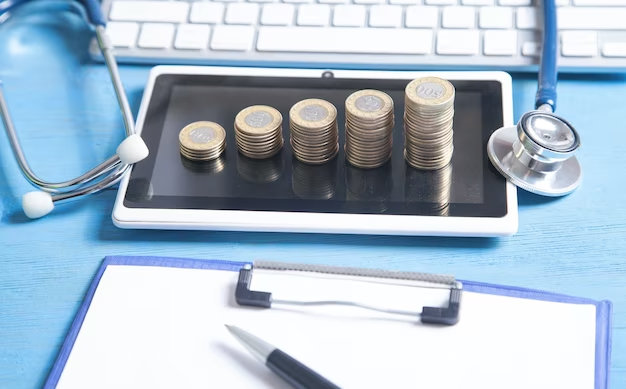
344 40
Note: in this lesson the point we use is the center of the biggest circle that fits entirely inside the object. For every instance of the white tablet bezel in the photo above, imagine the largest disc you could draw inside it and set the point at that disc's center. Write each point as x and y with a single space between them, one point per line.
226 220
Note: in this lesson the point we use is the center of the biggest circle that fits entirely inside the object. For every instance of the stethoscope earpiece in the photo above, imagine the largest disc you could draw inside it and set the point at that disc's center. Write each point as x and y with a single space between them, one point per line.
538 154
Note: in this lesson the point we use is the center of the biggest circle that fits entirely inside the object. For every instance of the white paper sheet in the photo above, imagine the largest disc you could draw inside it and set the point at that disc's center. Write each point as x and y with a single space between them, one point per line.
152 327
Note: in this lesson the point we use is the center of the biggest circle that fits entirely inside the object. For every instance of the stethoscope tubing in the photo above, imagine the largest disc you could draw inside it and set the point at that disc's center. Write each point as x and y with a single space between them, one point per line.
110 171
548 73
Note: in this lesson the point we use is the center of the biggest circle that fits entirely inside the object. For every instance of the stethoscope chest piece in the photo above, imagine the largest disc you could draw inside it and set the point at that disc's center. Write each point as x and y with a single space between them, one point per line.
537 155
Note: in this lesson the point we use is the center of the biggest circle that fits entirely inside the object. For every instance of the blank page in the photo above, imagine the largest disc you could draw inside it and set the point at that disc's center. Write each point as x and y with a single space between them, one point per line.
156 327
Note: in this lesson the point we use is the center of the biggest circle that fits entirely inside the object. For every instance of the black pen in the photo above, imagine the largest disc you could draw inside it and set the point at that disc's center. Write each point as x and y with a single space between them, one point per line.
289 369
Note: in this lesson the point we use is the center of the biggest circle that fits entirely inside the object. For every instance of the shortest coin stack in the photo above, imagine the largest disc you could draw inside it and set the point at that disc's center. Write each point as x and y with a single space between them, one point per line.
314 135
202 141
428 123
258 131
369 128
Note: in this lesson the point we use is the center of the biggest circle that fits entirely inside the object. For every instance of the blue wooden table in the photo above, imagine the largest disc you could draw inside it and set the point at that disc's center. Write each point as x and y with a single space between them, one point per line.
68 119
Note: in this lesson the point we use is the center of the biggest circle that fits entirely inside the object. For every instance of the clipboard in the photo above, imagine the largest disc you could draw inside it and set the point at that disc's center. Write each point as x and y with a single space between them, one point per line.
71 359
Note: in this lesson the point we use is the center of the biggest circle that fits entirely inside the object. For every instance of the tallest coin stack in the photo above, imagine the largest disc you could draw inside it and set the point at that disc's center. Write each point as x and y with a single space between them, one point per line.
428 123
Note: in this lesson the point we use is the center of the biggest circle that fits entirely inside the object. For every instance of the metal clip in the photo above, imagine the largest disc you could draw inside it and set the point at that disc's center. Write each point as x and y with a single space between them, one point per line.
448 315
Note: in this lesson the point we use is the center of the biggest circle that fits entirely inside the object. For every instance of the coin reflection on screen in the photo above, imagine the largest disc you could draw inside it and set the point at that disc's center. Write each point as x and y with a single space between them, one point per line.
371 185
260 171
314 182
209 167
429 189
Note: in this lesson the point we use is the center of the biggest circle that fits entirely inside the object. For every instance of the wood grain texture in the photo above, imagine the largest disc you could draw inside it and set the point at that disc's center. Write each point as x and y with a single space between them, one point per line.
68 121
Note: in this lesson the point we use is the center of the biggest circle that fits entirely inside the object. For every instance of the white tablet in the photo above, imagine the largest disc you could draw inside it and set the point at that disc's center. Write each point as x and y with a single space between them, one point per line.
281 194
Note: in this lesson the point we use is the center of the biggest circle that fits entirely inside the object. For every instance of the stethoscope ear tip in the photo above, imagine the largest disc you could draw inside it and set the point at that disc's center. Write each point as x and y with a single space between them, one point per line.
37 204
132 150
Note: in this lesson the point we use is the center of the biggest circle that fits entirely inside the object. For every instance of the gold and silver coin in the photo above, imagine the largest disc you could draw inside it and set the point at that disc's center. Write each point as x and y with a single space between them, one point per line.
369 128
428 123
314 134
258 131
202 141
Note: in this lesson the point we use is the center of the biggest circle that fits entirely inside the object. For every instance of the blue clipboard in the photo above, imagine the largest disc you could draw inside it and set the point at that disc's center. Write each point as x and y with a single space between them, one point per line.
604 308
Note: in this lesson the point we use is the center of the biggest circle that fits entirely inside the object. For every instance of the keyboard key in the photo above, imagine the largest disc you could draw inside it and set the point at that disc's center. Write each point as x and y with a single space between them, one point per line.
422 17
349 16
206 12
122 34
441 2
458 17
498 42
333 1
313 15
235 38
192 37
261 1
277 14
579 44
515 2
496 17
404 2
149 11
599 3
458 42
614 49
368 1
573 18
531 49
298 1
529 18
156 35
242 13
386 16
477 2
344 40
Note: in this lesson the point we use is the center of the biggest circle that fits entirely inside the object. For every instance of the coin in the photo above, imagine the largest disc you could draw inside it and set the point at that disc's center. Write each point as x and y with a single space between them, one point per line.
202 141
314 133
428 123
258 131
369 128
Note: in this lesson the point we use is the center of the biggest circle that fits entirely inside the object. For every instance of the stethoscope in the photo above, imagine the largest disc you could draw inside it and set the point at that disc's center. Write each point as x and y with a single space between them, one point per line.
132 150
538 153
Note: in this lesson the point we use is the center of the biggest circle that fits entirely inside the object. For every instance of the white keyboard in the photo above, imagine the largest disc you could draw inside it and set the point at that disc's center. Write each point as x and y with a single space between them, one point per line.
371 34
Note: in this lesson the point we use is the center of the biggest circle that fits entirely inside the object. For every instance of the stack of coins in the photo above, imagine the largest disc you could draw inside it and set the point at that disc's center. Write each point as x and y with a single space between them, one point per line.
428 122
369 128
314 182
258 131
314 135
202 141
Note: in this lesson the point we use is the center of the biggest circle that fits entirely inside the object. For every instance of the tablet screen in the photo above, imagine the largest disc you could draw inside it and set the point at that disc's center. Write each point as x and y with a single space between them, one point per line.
469 186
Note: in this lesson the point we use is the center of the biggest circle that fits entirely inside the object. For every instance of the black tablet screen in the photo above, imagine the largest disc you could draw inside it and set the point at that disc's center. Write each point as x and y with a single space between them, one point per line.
166 179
